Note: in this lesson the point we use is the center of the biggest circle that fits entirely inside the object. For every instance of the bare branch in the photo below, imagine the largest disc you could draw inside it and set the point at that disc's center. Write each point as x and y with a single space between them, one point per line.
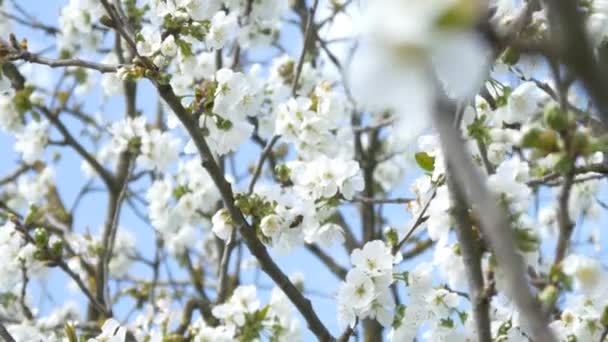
105 175
310 27
258 170
368 200
57 63
420 219
333 266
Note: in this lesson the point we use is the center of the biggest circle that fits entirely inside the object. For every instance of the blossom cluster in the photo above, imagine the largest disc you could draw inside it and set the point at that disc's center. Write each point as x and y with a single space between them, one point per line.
366 291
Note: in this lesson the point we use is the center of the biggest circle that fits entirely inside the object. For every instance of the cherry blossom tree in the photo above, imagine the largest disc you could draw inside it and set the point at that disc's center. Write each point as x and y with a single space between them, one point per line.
442 159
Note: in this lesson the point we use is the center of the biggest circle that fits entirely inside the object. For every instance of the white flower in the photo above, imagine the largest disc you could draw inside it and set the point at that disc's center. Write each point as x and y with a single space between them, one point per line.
183 239
329 234
158 196
10 120
123 132
150 43
405 47
441 302
243 301
223 29
281 312
222 140
346 312
522 103
168 47
439 221
587 273
111 331
375 259
10 245
112 83
452 266
291 117
236 95
420 280
203 9
158 150
509 180
323 177
124 251
382 308
358 289
222 224
271 225
217 334
32 140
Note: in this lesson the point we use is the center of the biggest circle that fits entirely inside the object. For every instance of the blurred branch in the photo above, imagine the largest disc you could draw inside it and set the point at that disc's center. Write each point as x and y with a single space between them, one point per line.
596 168
5 334
573 47
495 225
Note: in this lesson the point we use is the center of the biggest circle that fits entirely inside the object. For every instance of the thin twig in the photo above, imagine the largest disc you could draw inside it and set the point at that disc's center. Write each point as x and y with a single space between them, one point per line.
260 164
420 219
57 63
307 34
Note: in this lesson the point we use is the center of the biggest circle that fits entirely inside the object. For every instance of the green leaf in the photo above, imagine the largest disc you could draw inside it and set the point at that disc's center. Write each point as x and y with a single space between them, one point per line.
479 131
510 56
463 316
447 322
504 97
604 318
35 115
426 162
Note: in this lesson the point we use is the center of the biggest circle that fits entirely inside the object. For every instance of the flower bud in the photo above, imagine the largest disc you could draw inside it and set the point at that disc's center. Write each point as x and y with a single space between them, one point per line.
555 118
549 295
41 237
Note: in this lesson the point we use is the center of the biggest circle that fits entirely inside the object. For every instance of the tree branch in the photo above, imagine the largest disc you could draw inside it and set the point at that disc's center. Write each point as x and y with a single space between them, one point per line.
307 35
471 257
333 266
495 224
5 334
57 63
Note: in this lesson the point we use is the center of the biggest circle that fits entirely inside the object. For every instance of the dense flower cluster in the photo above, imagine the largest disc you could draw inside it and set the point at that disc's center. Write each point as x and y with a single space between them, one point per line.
228 149
366 291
